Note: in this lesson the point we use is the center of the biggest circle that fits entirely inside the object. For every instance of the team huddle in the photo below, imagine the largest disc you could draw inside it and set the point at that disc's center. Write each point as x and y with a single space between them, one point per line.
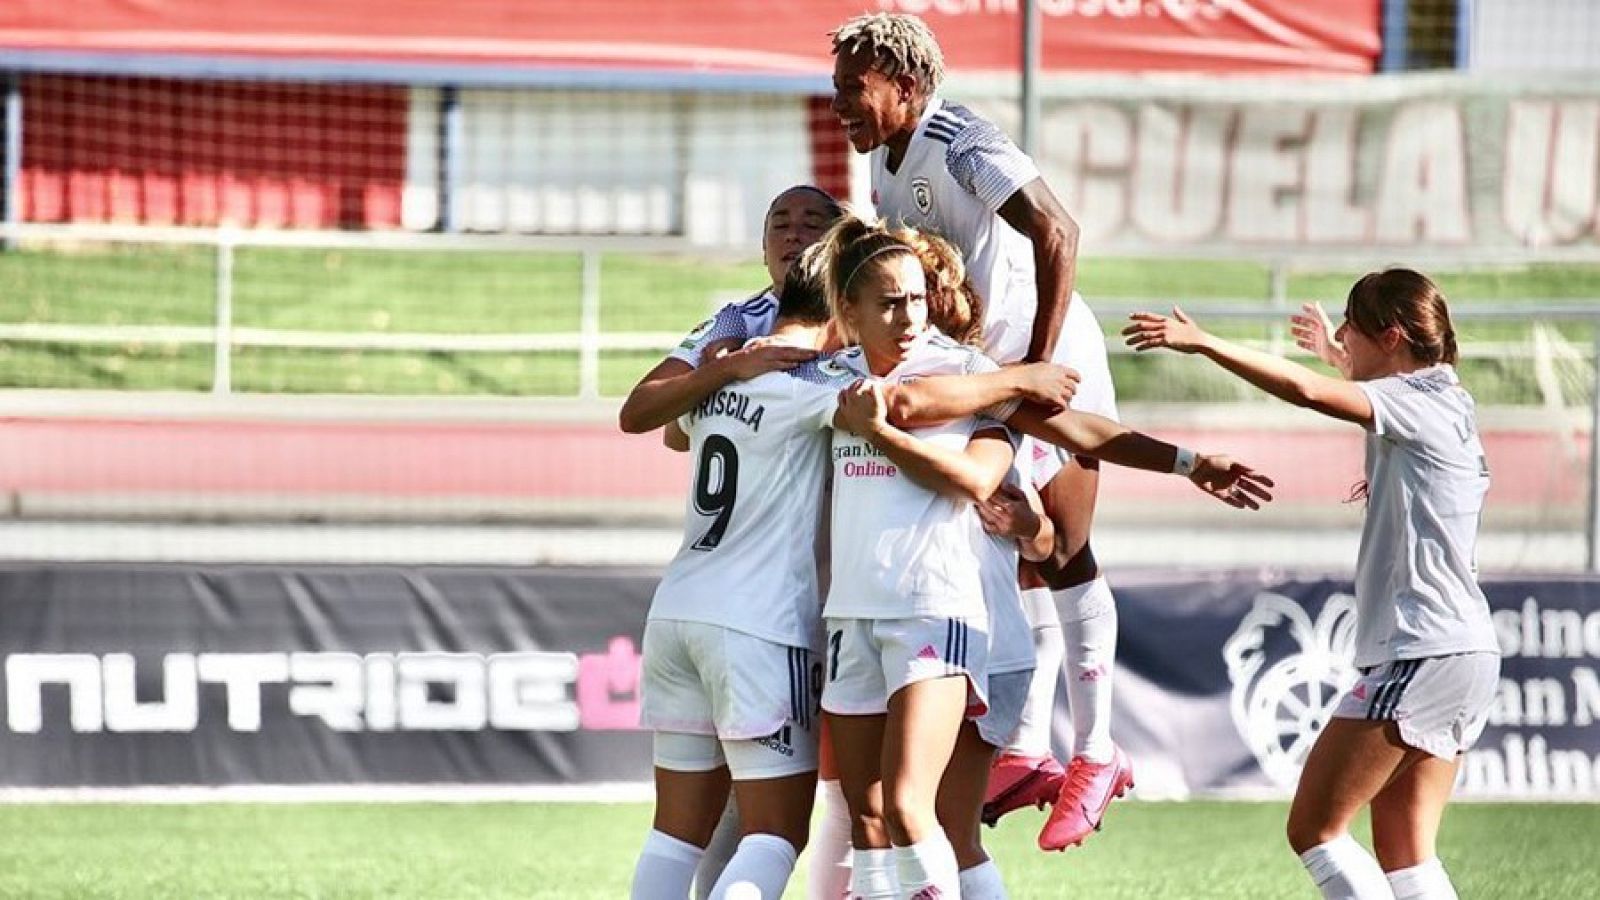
886 568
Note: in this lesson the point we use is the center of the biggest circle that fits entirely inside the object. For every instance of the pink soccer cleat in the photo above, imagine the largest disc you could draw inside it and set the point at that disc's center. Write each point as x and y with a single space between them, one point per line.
1016 781
1088 789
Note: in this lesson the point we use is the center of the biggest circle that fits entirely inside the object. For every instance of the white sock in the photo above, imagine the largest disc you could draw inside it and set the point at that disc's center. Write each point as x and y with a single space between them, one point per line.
724 843
828 863
1344 870
1032 737
1089 628
982 882
873 875
665 868
759 870
1424 881
929 863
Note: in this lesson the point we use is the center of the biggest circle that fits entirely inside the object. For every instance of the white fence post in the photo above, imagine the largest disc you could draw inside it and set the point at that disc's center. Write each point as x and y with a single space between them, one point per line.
589 328
222 347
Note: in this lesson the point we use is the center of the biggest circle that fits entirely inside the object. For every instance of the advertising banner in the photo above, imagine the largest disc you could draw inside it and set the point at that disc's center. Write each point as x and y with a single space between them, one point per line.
145 675
1449 166
754 36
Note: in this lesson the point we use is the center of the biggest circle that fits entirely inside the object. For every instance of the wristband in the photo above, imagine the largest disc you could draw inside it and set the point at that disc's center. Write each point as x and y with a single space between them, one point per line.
1186 462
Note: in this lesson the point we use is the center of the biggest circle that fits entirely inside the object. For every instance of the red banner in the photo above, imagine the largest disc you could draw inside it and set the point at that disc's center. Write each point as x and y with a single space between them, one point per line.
730 36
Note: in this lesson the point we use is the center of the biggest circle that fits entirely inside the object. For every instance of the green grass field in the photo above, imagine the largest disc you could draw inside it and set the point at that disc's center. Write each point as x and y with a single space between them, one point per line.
1176 851
527 293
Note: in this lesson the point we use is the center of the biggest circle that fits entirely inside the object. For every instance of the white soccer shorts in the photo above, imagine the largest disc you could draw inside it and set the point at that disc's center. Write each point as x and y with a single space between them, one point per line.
751 702
1008 695
1082 346
867 660
1440 703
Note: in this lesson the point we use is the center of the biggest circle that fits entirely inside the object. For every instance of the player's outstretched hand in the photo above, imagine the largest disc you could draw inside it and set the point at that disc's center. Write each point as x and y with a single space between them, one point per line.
1006 513
755 359
1232 482
1047 384
1148 331
863 409
1313 331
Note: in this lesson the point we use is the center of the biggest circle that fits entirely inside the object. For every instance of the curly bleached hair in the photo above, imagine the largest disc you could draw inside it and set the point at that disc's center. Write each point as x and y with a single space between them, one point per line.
900 43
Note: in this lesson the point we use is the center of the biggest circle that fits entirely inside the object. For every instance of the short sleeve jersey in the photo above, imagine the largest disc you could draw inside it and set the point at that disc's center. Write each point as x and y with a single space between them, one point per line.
738 321
748 556
957 171
900 550
1417 590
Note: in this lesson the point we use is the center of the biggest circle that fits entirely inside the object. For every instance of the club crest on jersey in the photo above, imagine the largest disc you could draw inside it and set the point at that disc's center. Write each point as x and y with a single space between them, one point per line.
699 330
922 195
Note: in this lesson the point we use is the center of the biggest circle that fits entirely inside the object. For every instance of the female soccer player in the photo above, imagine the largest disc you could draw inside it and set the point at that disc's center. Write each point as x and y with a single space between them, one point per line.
730 676
907 626
1425 646
940 166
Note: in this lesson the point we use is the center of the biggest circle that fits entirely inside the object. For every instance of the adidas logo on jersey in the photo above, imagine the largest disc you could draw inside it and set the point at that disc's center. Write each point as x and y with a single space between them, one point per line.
927 652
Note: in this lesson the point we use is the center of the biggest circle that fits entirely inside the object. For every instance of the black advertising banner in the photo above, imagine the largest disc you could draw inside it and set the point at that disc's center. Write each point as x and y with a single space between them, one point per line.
151 675
174 675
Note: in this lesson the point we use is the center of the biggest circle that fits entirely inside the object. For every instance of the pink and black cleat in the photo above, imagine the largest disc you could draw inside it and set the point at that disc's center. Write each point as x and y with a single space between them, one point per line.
1086 792
1016 781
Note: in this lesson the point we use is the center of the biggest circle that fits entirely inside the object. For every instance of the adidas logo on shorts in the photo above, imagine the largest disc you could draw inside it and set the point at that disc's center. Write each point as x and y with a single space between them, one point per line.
779 741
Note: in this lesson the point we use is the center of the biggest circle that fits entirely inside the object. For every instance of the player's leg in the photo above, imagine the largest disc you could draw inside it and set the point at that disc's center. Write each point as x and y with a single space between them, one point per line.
919 737
773 760
1439 711
691 789
855 705
1026 772
961 791
1098 772
1405 828
724 843
1351 762
828 865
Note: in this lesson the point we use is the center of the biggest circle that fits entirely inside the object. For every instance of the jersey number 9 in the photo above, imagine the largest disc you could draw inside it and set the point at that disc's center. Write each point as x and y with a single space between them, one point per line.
716 481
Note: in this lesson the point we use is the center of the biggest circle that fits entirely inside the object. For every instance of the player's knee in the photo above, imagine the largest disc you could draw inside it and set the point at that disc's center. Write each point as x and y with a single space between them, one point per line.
1306 832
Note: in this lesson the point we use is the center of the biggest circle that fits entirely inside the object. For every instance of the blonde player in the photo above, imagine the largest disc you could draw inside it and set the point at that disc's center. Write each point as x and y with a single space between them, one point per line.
730 675
938 166
907 625
1425 646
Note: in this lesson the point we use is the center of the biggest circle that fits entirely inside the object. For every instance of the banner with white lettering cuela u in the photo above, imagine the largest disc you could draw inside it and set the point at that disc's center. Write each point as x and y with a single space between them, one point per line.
1437 165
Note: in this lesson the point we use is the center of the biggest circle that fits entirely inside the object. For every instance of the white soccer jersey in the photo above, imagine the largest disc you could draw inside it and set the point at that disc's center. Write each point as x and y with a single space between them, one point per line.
743 320
748 558
900 550
1417 588
1010 634
957 171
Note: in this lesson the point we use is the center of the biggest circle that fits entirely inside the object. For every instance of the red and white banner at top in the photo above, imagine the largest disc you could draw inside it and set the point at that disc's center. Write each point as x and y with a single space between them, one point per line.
726 36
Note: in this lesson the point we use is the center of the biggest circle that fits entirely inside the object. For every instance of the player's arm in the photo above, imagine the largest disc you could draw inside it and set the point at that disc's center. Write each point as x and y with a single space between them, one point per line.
1282 378
674 437
972 474
1035 211
674 386
945 398
1087 434
1019 515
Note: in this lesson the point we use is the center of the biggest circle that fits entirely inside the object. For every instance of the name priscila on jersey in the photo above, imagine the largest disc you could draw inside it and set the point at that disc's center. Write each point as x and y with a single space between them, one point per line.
732 404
